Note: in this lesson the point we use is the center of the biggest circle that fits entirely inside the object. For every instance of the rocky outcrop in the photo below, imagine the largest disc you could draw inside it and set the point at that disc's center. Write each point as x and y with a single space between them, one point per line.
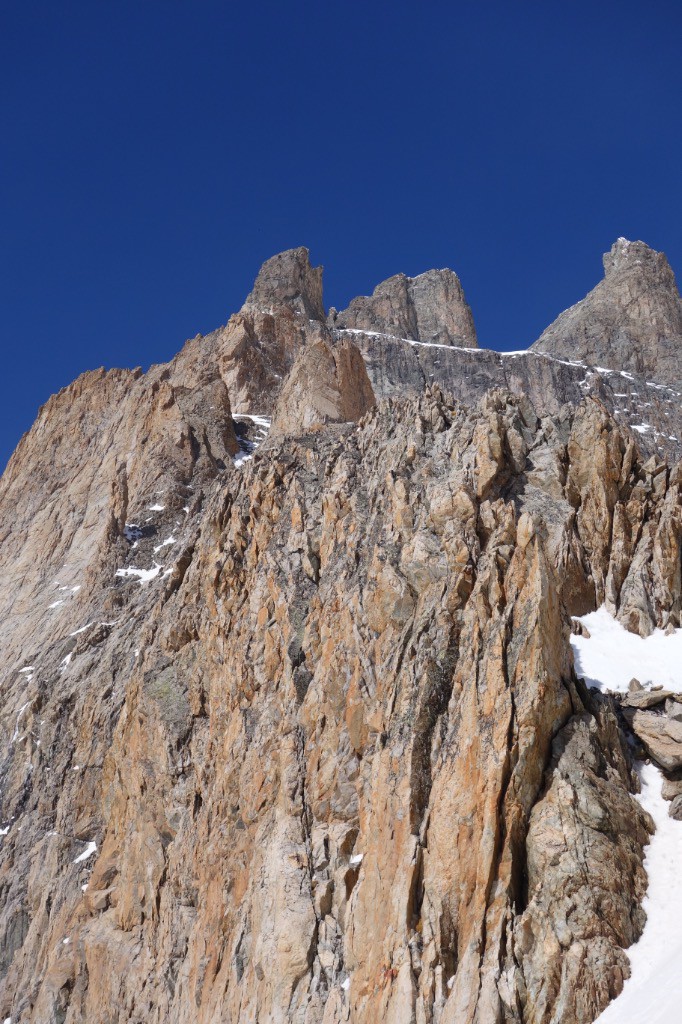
288 279
415 332
256 349
327 384
429 308
631 321
585 817
357 687
299 738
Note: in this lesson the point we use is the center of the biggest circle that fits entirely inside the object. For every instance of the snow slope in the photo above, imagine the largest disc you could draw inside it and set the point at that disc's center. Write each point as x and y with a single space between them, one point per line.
608 660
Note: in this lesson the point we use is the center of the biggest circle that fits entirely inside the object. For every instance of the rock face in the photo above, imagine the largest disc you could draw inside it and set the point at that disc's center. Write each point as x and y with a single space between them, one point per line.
327 384
299 739
631 321
288 280
429 308
257 347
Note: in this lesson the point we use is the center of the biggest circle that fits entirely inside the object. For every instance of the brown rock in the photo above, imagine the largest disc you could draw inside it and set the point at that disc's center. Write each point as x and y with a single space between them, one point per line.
327 384
644 699
661 736
430 308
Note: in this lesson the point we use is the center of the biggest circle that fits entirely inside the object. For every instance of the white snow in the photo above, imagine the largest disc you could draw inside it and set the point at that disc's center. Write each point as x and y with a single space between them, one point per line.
19 714
165 543
345 984
55 604
87 852
156 508
4 831
143 575
356 859
67 660
642 428
77 632
249 447
612 656
608 660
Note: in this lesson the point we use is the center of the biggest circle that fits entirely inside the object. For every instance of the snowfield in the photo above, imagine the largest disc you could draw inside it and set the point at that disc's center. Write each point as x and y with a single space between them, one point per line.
609 660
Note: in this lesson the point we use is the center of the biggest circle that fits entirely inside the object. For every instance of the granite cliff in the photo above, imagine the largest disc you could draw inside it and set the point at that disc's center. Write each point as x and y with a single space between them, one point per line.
291 726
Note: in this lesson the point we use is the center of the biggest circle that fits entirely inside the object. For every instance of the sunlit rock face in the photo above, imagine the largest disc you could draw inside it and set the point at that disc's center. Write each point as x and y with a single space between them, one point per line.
296 735
631 321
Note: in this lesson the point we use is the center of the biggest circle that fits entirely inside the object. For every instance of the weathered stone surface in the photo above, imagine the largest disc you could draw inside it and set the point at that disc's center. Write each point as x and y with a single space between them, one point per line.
288 279
644 699
661 736
310 758
319 754
586 817
327 384
671 788
429 308
397 367
631 321
675 809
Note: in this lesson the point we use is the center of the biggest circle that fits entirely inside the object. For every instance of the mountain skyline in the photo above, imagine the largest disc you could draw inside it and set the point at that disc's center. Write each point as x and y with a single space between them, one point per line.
155 155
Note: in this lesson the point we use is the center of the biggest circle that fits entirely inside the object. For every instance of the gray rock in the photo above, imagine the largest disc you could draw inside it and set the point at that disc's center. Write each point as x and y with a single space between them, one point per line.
675 809
631 321
644 699
288 279
661 737
673 709
430 308
671 788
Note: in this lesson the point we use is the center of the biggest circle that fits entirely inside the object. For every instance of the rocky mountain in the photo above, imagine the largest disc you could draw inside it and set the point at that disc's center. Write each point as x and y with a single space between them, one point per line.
292 729
430 309
631 321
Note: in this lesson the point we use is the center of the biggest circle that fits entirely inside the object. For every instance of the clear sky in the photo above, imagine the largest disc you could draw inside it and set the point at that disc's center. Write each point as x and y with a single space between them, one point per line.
154 153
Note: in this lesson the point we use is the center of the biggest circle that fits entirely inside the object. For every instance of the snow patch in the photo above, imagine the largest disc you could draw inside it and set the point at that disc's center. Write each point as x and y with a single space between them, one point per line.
143 575
87 852
165 543
608 660
16 726
77 632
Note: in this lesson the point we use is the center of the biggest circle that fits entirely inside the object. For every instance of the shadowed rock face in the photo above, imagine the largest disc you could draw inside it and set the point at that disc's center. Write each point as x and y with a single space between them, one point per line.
429 308
302 741
631 321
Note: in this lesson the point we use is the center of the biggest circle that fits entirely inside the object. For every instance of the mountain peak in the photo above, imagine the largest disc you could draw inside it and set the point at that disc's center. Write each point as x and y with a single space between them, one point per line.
430 308
632 320
624 255
289 279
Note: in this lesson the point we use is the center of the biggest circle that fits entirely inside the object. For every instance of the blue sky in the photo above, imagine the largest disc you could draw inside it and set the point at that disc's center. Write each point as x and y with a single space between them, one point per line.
153 154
